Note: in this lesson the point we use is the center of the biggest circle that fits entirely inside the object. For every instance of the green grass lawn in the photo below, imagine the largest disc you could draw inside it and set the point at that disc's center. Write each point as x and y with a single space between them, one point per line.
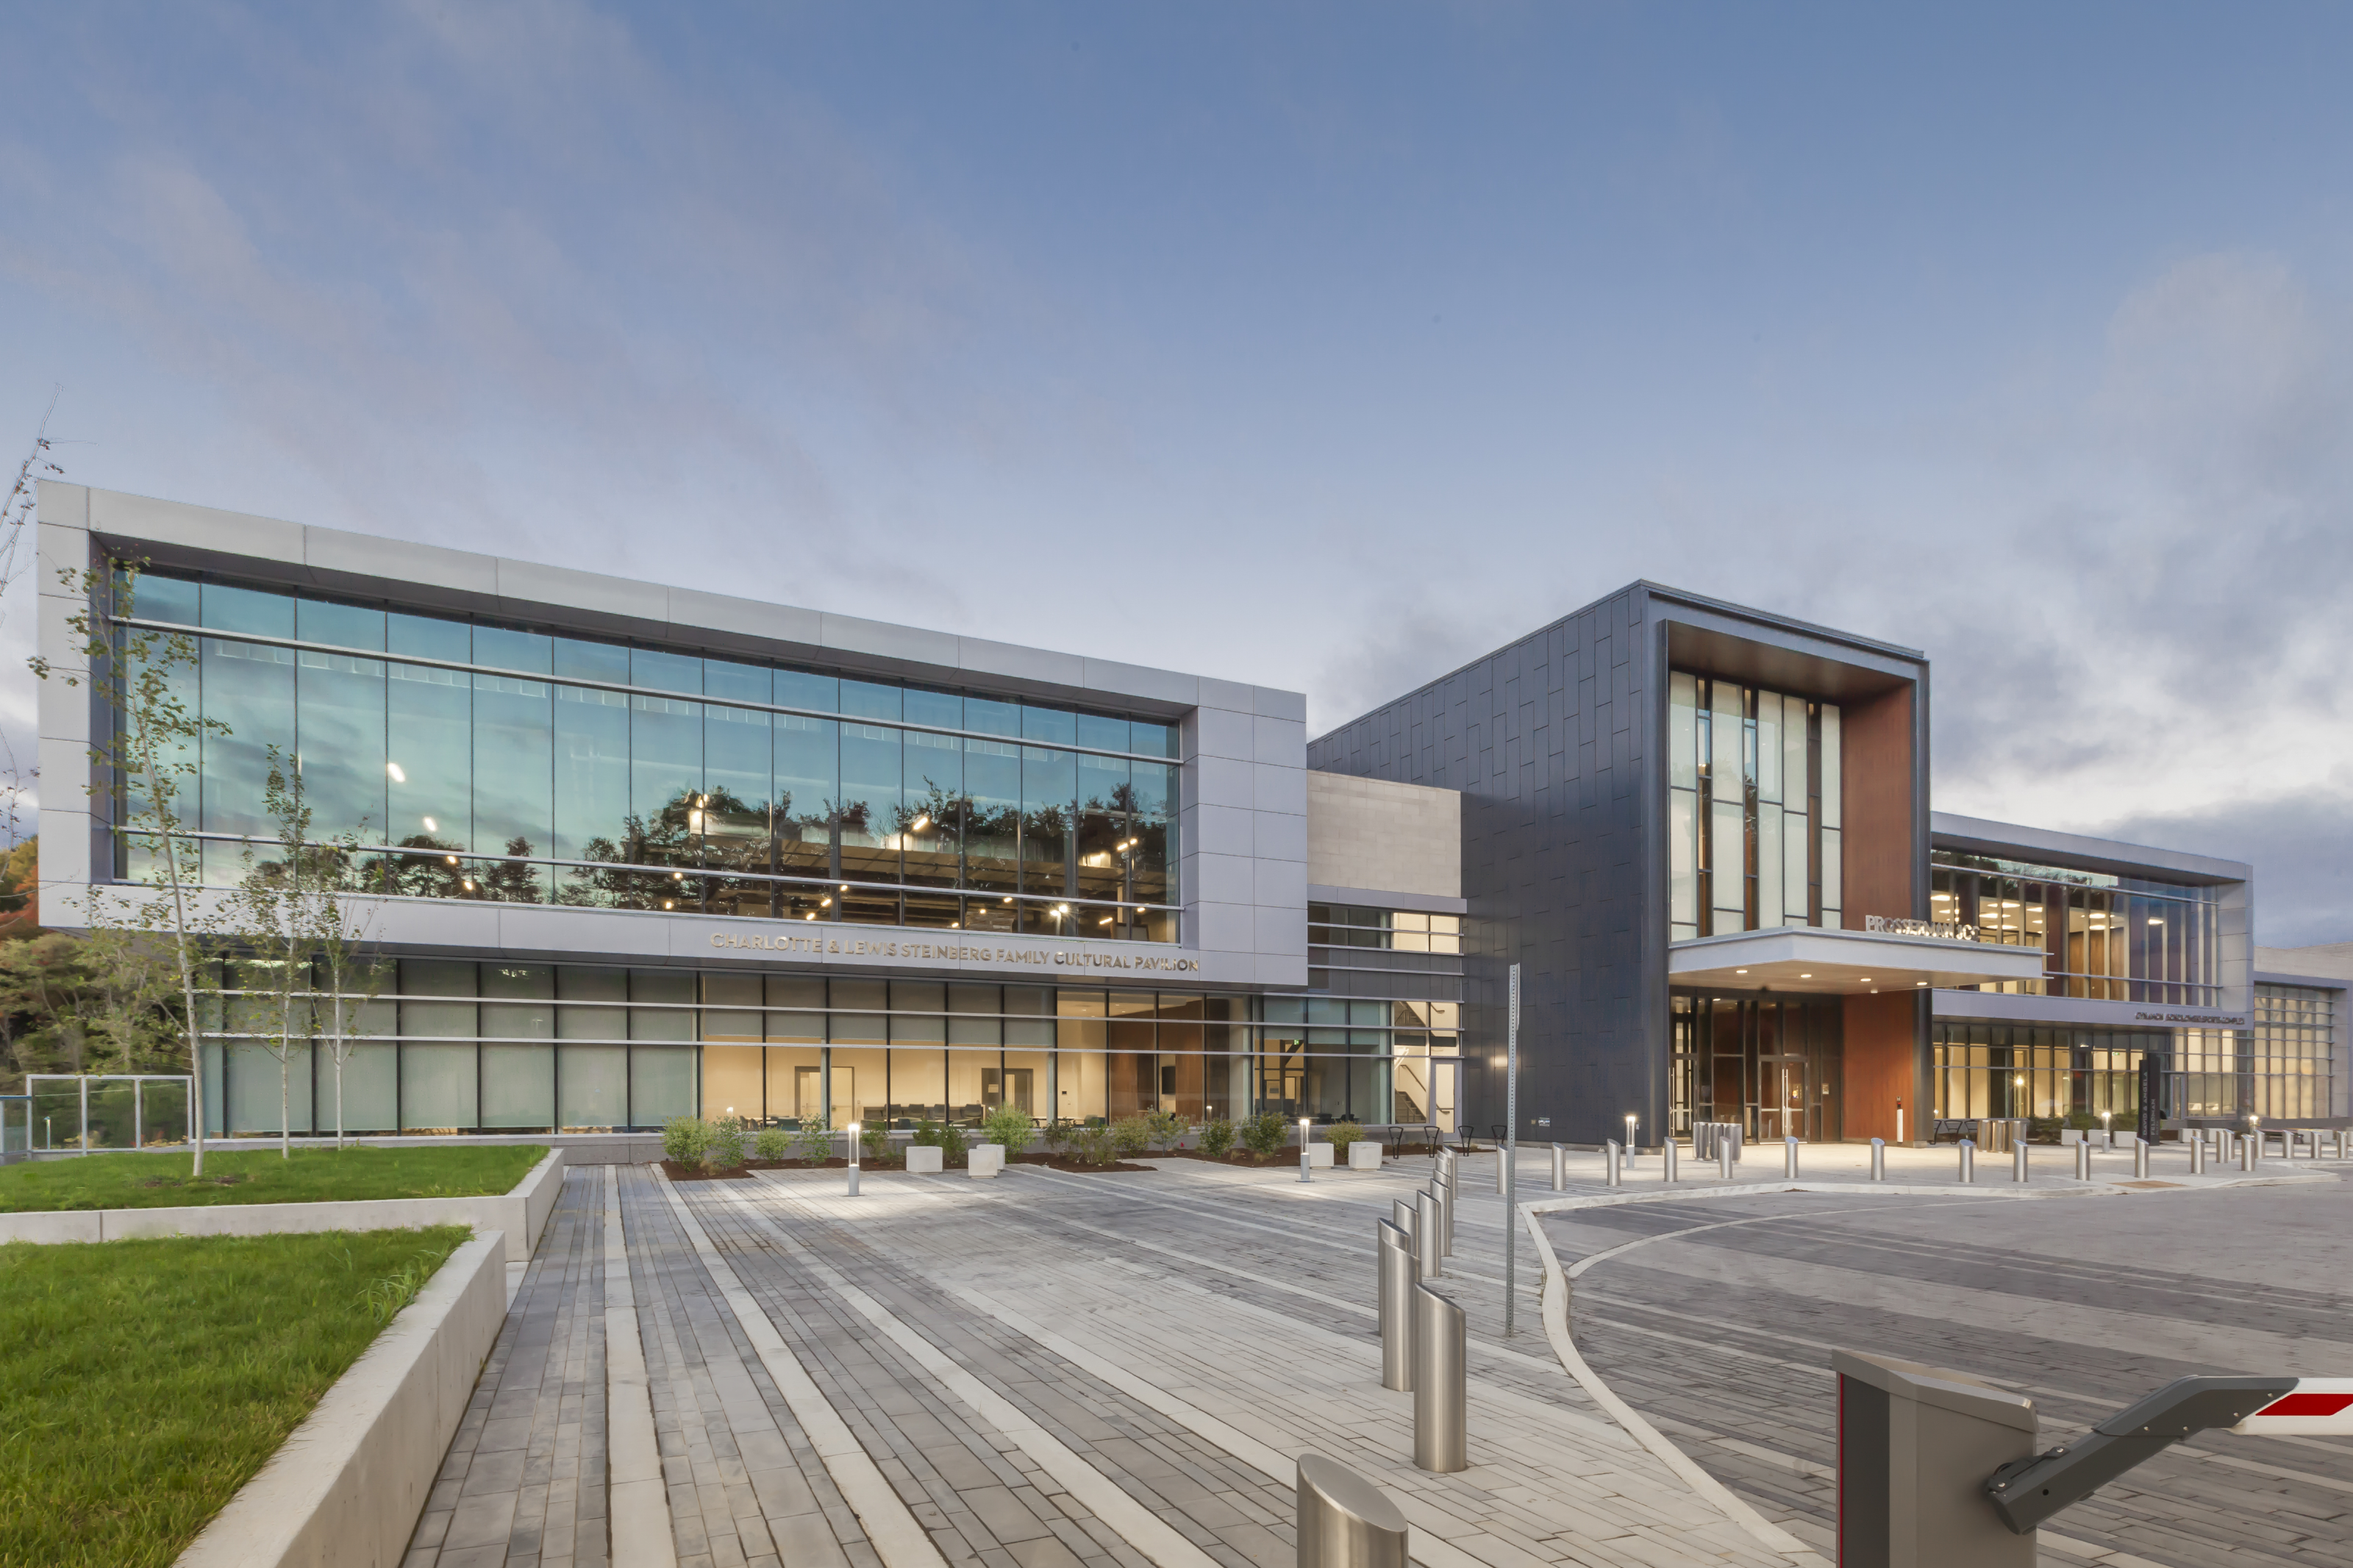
313 1175
142 1382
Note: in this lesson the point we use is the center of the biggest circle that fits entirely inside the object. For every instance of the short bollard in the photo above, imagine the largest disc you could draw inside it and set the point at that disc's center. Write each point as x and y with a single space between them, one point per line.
1502 1167
1968 1159
2340 1144
851 1190
1306 1173
1343 1521
1879 1159
1393 1256
2140 1159
1560 1167
2018 1161
1428 1235
2197 1155
1401 1210
1441 1365
1442 1190
1611 1175
2247 1154
1724 1153
2083 1162
1668 1174
1789 1158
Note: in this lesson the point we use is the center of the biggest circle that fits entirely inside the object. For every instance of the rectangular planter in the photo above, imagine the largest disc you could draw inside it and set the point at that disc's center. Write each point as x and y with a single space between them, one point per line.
350 1482
520 1213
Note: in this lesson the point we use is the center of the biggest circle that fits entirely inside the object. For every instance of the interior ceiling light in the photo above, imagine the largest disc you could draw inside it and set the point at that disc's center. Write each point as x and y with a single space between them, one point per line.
392 771
921 823
431 825
1805 978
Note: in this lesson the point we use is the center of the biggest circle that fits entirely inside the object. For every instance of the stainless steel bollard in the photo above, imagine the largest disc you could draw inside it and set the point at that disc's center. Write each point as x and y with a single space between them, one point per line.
2340 1144
1611 1175
1443 1191
1789 1158
1345 1520
1724 1153
1428 1235
1402 1211
1441 1363
1393 1256
2083 1162
2140 1159
1560 1167
1879 1159
1503 1168
2197 1153
1670 1173
2018 1161
1968 1159
2247 1154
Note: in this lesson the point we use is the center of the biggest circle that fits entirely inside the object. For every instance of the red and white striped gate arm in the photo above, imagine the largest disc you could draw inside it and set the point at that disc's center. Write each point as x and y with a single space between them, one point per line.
2317 1406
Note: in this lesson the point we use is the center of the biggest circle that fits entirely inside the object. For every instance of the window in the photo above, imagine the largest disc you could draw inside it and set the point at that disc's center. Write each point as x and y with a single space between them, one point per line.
1752 808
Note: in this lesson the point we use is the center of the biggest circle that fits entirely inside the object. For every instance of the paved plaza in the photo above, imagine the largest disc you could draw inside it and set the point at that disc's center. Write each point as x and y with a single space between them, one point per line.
1048 1369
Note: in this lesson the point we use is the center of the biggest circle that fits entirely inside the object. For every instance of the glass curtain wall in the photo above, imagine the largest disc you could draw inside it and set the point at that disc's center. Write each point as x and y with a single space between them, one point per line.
2108 938
458 1046
2293 1054
1752 808
2040 1072
472 760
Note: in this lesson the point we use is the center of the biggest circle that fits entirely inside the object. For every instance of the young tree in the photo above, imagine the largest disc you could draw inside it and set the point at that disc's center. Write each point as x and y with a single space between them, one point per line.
274 919
348 967
139 765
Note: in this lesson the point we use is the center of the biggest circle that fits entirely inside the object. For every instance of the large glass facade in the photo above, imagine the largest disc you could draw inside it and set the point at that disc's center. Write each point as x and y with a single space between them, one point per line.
459 1046
2292 1054
2109 937
483 761
1771 1064
2010 1071
1754 815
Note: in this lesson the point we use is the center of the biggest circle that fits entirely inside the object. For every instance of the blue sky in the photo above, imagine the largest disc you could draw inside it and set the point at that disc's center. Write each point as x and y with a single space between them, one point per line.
1322 345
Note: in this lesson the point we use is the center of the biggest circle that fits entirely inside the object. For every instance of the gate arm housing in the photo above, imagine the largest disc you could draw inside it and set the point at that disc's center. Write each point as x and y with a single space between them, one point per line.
2025 1493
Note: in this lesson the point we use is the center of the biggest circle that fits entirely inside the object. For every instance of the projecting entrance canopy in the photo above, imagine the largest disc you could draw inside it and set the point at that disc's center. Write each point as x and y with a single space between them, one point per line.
1843 962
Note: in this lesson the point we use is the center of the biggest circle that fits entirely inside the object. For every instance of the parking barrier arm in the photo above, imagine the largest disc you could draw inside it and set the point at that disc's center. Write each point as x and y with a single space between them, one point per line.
2028 1492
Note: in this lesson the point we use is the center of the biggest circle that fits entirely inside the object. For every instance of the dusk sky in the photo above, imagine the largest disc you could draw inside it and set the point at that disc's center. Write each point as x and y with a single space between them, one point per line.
1323 346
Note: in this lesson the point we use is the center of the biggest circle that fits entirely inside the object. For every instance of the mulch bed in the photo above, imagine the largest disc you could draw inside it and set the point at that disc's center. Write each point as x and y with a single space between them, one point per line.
678 1173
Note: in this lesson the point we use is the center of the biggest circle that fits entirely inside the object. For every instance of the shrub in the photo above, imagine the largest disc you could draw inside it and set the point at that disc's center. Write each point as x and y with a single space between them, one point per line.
2042 1129
1007 1124
1217 1137
2082 1121
1131 1135
1263 1134
1340 1136
685 1139
816 1141
927 1133
1167 1128
725 1149
774 1143
1092 1146
876 1142
953 1147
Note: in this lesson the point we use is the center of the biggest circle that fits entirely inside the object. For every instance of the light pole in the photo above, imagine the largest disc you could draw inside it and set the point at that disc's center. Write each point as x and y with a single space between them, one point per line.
1303 1126
853 1161
1630 1123
2108 1128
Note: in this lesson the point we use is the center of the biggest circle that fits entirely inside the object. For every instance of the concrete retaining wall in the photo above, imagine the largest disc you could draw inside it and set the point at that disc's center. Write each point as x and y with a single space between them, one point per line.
349 1484
520 1215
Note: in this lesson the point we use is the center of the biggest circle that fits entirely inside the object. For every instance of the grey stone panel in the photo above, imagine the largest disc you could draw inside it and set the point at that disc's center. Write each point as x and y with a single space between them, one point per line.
523 583
1115 678
1221 878
880 640
1222 781
1221 830
1225 733
1227 928
1278 740
335 559
692 610
1280 885
1282 930
1278 836
1275 703
172 523
64 505
1232 696
1009 660
1278 789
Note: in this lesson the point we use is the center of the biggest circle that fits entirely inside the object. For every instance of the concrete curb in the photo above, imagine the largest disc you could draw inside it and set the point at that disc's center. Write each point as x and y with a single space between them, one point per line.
520 1215
347 1486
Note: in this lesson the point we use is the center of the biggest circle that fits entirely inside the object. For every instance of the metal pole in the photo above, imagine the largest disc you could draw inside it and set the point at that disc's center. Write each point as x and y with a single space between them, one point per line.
2018 1160
2082 1161
1610 1174
1508 1172
2140 1159
1879 1159
1670 1174
85 1113
2247 1155
1343 1521
1968 1159
1441 1392
1559 1168
1393 1257
1789 1158
854 1160
1724 1150
1428 1237
1304 1125
2198 1152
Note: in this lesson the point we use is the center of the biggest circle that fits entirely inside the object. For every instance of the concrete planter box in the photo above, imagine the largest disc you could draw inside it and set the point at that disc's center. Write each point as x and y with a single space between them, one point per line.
350 1482
923 1161
520 1213
1365 1156
1319 1156
984 1161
